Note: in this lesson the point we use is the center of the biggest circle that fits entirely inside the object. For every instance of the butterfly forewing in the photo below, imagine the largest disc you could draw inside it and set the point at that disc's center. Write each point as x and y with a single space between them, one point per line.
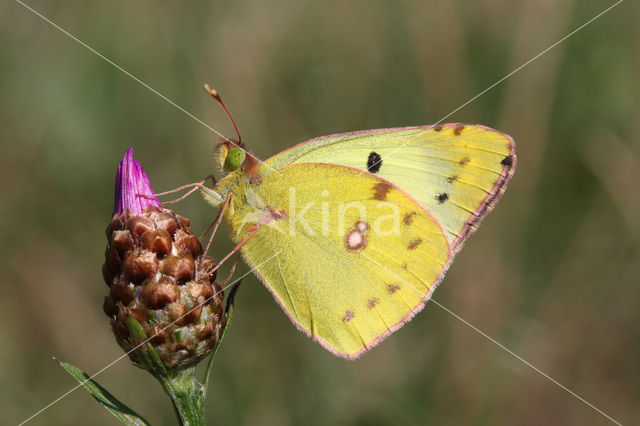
457 172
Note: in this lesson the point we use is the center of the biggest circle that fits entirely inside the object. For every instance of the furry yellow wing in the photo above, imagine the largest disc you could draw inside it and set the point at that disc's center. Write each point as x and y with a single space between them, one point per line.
457 172
349 256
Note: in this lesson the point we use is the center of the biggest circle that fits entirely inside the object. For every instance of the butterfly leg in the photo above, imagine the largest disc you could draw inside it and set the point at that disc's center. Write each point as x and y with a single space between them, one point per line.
216 222
231 272
254 230
194 187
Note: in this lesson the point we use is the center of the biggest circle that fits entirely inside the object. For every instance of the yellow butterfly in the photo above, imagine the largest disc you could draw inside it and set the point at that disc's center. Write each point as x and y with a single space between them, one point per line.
352 232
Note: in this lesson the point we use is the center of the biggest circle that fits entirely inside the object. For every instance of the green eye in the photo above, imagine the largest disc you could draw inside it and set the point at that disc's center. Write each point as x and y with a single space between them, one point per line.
234 159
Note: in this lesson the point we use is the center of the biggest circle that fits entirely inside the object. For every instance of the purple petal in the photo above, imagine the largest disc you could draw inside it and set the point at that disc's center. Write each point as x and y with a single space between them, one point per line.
131 182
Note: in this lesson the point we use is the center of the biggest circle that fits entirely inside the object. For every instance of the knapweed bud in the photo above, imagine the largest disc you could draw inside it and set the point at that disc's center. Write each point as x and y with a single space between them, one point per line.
157 274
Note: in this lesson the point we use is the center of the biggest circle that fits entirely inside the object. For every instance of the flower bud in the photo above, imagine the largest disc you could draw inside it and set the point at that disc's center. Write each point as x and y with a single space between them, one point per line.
158 275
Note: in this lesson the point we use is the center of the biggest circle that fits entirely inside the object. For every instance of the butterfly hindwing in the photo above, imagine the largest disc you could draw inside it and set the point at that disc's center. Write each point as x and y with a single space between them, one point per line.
346 282
457 172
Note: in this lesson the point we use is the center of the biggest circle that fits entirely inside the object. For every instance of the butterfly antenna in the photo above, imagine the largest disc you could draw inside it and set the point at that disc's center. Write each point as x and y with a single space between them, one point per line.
214 93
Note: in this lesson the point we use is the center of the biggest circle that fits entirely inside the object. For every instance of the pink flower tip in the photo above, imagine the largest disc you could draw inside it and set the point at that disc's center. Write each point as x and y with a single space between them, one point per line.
131 183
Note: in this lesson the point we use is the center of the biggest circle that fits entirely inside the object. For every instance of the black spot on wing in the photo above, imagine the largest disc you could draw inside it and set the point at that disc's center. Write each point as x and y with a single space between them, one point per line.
507 161
374 162
442 197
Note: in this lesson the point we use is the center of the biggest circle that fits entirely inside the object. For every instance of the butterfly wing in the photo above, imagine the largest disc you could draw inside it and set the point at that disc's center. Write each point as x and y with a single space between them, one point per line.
457 172
349 256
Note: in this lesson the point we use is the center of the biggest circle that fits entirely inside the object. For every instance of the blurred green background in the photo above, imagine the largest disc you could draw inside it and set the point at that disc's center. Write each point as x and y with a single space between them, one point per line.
553 274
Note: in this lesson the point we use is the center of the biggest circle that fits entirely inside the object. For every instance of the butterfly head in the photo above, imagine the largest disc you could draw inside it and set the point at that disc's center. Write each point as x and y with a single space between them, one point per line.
234 158
231 156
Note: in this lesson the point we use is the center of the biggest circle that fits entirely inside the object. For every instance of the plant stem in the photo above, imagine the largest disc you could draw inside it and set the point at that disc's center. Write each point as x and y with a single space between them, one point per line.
187 395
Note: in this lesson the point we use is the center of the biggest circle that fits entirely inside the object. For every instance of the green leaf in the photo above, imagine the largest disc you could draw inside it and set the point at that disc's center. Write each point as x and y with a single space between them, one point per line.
120 411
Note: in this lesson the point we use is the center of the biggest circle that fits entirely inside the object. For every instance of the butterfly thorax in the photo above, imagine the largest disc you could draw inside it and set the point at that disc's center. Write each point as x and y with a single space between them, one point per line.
246 209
